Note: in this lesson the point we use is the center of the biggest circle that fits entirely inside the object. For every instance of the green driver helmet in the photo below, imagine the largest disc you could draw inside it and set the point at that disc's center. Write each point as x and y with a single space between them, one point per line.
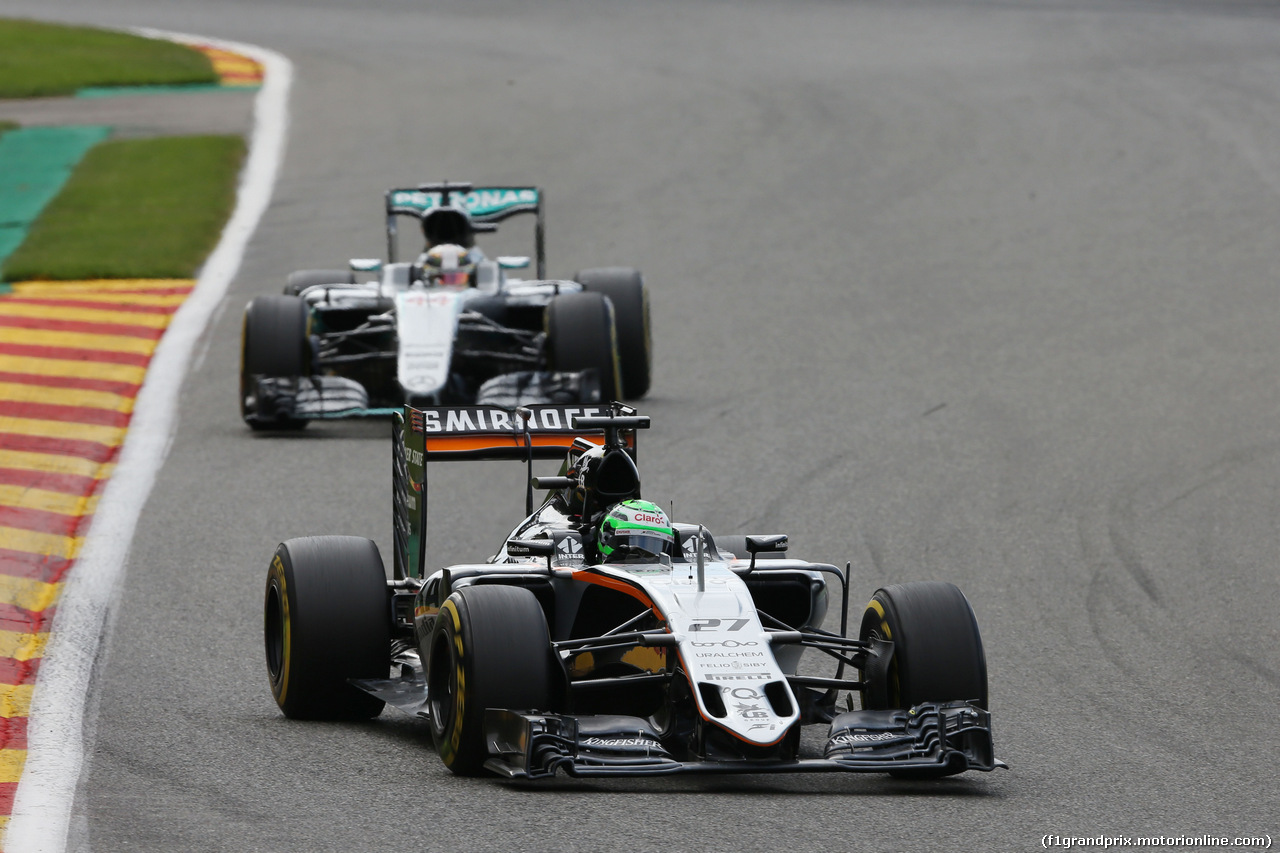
636 528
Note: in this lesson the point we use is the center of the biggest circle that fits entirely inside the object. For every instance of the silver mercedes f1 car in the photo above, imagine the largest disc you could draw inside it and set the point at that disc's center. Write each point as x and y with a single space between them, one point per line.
449 327
603 638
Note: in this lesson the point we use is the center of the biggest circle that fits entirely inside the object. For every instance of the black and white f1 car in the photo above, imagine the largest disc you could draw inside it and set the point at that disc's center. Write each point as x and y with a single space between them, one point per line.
604 639
451 327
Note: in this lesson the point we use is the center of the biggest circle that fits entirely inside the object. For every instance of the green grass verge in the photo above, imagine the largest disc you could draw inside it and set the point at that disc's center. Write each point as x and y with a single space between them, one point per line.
135 208
39 59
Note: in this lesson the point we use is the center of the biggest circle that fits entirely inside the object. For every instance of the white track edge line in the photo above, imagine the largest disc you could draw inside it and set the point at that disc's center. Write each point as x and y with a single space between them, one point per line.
56 730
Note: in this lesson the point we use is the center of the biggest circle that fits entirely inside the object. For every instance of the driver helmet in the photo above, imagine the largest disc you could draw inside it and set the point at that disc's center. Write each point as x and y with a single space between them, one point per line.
635 528
449 264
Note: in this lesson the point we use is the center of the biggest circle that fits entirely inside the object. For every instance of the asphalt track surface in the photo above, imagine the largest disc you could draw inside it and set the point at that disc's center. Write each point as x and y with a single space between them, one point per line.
973 291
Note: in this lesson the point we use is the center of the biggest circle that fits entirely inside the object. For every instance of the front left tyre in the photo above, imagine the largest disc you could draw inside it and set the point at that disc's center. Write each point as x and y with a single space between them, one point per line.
326 620
625 289
581 336
937 654
937 650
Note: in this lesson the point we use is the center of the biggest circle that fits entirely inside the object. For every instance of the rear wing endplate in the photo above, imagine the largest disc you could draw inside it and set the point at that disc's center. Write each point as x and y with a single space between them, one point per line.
486 206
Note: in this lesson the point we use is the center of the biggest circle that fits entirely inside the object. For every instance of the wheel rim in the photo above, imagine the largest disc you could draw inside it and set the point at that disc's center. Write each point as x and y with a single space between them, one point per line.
274 634
244 362
891 686
442 683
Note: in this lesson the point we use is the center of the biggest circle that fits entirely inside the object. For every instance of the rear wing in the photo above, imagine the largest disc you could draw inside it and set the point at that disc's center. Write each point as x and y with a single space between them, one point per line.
485 206
445 433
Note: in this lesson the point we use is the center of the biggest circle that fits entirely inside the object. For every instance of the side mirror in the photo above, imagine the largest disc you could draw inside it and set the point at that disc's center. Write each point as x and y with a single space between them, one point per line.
513 262
765 545
365 264
531 548
548 483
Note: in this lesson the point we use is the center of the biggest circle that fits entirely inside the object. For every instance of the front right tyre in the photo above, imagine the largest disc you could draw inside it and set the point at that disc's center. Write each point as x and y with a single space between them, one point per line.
490 648
273 343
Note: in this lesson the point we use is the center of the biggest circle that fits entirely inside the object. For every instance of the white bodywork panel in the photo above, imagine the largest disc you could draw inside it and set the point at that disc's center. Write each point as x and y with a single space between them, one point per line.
721 642
426 320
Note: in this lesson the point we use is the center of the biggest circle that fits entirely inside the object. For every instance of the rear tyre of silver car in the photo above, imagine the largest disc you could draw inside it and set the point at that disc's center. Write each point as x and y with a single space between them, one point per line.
937 651
489 649
625 289
581 336
326 620
302 279
273 342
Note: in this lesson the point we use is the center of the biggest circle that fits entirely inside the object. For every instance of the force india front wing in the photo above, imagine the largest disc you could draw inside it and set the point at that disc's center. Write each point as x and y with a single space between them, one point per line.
738 687
949 738
944 738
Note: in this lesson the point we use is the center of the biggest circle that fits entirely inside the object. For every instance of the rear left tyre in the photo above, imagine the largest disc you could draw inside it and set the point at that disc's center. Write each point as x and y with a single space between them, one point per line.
326 620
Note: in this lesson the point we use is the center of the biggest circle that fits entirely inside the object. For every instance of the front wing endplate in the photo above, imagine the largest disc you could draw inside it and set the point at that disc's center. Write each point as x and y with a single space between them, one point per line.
307 398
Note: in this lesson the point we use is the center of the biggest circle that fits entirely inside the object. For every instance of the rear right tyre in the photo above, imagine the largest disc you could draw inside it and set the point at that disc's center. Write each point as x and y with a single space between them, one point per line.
326 619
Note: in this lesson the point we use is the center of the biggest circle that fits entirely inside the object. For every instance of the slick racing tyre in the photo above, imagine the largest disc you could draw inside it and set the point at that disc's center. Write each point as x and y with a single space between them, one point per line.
326 620
937 651
273 343
302 279
489 649
625 289
581 336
